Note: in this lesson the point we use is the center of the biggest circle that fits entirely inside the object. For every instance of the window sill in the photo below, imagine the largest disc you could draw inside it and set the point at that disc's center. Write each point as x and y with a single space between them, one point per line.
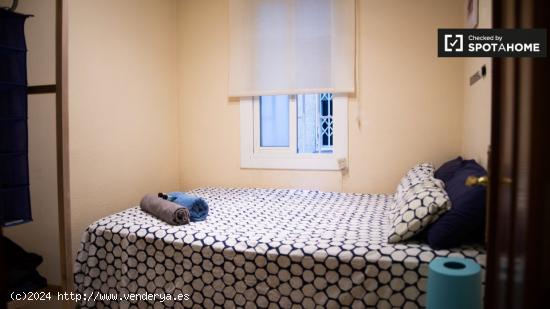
320 162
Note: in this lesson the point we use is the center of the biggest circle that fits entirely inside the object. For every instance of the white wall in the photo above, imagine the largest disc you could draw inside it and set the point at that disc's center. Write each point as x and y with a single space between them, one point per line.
477 99
123 111
408 107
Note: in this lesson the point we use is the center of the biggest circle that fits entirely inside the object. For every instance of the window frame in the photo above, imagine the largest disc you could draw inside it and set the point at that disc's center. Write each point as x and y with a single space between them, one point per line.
253 156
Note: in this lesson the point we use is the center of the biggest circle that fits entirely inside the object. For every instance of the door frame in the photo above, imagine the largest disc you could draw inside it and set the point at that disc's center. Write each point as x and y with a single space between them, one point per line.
62 144
518 250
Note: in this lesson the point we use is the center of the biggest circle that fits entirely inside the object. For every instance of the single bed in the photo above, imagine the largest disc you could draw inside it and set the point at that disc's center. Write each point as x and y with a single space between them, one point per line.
260 248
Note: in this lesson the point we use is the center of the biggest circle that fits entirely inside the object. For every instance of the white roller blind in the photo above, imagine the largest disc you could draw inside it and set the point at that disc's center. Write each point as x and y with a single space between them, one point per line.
291 47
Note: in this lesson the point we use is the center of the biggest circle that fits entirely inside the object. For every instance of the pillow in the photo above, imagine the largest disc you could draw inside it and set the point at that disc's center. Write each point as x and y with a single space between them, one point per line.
417 174
446 171
419 206
465 222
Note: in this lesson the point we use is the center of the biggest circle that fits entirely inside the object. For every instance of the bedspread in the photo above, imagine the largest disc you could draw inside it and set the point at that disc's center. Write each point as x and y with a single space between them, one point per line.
259 248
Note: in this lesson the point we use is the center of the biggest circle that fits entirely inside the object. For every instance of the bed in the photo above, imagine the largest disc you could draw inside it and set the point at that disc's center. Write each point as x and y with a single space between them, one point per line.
265 248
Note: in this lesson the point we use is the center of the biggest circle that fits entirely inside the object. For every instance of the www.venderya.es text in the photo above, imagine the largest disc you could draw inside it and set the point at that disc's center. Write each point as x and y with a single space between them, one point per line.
96 296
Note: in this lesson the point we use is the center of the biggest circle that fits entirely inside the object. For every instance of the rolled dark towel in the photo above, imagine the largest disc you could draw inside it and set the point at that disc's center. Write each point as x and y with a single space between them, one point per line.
164 210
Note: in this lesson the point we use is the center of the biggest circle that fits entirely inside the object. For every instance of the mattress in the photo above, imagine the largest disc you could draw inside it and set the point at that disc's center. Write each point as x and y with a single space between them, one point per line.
259 248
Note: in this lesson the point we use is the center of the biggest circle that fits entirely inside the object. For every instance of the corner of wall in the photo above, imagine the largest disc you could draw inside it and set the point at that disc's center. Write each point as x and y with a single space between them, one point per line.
177 79
476 133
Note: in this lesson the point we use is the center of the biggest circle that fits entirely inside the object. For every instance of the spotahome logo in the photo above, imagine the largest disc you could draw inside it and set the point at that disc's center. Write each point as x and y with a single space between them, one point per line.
491 42
454 42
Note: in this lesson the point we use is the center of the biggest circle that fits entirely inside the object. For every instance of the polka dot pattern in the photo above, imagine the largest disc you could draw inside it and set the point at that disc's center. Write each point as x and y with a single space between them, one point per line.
417 174
419 206
260 248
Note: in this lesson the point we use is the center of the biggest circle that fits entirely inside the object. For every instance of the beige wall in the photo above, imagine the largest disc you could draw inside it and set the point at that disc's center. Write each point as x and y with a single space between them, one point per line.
42 235
477 99
408 108
123 112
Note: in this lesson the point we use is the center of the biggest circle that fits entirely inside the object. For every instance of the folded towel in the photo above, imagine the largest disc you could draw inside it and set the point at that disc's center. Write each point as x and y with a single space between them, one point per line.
198 209
165 210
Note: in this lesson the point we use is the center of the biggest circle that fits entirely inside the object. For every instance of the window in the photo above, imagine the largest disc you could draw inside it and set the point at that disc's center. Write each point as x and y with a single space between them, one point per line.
305 131
274 121
315 123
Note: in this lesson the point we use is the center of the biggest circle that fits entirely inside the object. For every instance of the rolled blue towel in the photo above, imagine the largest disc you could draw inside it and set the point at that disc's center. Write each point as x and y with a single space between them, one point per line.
198 209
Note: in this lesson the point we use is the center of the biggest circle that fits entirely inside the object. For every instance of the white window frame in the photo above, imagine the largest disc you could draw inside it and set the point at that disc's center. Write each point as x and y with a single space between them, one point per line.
257 157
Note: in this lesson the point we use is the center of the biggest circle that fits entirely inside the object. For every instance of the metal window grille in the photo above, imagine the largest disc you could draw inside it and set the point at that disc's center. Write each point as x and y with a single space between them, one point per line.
325 138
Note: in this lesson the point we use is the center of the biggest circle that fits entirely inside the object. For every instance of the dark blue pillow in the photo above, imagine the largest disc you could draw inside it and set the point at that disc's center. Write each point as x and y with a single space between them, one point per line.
465 221
446 171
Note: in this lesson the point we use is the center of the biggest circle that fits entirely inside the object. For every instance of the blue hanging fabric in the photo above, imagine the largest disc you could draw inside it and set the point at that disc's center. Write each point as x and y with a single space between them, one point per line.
15 206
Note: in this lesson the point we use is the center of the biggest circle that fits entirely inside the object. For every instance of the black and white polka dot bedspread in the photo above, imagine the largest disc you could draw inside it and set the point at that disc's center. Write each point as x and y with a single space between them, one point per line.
259 248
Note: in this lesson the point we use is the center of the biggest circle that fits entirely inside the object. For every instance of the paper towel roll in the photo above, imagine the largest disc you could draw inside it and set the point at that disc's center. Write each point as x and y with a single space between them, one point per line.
454 283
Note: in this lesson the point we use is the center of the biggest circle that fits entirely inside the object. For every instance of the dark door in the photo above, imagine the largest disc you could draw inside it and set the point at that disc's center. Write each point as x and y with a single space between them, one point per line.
518 265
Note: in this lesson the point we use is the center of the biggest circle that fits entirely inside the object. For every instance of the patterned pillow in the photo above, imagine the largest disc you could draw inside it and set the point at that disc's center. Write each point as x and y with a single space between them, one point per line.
417 174
419 206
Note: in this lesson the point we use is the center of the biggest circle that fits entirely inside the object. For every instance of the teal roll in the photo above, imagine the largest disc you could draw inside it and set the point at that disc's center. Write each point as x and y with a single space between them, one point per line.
454 283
